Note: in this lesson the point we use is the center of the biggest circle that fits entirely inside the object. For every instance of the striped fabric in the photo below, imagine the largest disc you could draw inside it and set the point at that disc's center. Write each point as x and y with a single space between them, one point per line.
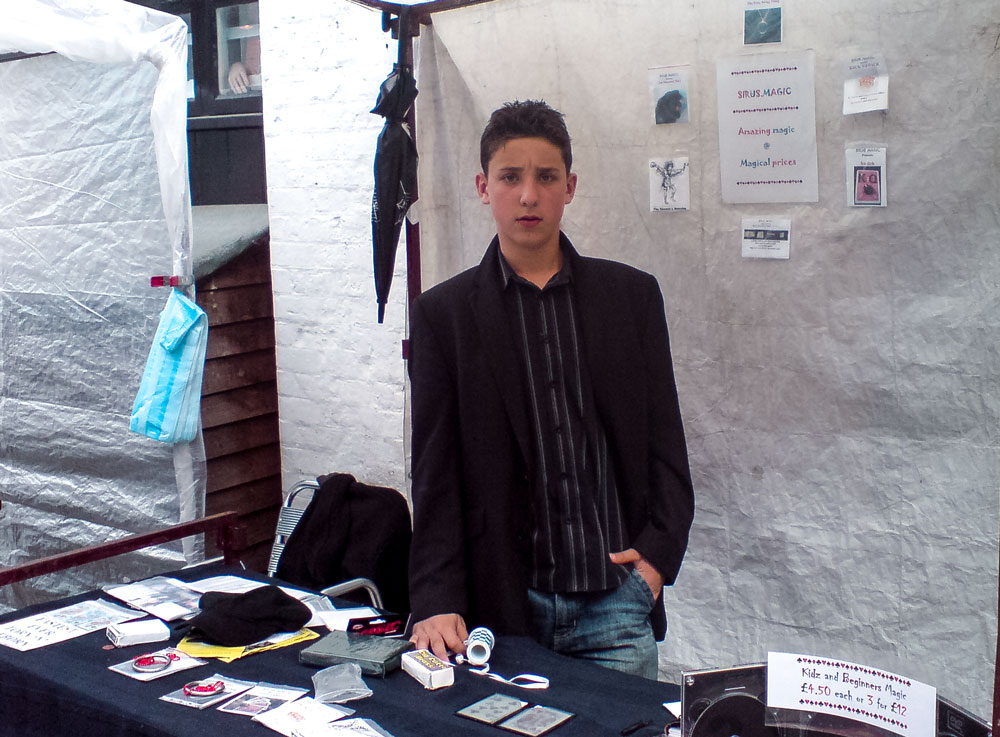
575 506
168 404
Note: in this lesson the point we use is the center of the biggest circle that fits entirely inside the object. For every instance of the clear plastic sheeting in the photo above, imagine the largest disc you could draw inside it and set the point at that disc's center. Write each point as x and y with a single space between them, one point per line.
93 201
842 407
115 32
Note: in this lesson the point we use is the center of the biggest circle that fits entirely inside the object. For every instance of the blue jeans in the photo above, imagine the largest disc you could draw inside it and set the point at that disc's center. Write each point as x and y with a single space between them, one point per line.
609 628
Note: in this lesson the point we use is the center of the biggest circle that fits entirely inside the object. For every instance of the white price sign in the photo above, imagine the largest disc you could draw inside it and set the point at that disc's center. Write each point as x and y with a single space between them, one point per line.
851 691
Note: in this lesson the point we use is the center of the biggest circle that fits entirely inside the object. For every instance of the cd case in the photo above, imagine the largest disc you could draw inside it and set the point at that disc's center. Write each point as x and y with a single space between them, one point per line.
376 655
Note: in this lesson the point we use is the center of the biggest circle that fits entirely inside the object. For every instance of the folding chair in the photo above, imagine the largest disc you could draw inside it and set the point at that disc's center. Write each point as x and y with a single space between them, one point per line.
299 496
292 509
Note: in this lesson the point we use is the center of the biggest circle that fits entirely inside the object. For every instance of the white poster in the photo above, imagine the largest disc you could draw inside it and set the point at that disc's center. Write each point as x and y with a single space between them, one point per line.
865 175
767 128
852 691
668 88
669 184
766 238
866 84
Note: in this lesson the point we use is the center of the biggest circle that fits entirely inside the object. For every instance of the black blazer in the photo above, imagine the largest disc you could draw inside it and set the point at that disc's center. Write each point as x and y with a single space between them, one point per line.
472 457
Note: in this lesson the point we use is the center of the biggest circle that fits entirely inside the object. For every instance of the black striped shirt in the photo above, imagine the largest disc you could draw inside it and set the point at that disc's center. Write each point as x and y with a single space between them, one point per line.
575 506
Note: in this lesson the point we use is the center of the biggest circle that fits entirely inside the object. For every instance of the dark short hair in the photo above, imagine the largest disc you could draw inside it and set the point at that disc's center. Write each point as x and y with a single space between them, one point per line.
528 119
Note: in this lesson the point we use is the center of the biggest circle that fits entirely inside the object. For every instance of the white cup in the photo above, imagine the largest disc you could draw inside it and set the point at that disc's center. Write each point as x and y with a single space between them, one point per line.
479 646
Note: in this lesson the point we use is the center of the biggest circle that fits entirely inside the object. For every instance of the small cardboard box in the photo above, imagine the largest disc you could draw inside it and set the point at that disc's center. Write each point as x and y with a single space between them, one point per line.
428 669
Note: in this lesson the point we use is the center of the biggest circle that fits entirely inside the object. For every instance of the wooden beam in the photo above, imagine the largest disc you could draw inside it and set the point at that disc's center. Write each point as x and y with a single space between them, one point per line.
239 404
226 526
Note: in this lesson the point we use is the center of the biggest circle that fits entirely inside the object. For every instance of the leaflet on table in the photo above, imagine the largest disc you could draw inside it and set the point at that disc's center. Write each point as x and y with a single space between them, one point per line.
303 713
63 624
237 585
198 649
178 661
230 687
356 726
166 598
261 698
228 584
338 619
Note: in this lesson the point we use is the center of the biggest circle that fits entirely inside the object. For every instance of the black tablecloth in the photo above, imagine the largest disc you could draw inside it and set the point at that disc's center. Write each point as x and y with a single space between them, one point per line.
67 689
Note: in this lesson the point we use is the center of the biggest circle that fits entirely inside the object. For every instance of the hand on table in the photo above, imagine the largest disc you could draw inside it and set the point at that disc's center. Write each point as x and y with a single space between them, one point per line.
439 634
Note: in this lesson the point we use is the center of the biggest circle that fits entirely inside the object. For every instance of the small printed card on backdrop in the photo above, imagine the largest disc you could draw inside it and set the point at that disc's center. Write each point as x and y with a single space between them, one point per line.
866 176
668 87
766 238
669 184
761 22
866 84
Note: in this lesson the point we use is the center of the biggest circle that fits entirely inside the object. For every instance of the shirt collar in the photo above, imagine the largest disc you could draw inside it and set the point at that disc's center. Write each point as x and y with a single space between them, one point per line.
563 276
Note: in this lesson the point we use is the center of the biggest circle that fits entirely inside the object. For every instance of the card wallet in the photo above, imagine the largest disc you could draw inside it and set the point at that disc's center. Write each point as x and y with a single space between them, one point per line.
376 655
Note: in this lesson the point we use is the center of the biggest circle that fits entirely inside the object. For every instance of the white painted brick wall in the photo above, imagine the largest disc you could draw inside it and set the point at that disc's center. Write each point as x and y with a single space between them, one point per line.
340 373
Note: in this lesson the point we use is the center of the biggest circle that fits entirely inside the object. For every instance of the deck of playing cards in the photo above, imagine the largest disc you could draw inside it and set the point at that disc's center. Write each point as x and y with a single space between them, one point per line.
428 669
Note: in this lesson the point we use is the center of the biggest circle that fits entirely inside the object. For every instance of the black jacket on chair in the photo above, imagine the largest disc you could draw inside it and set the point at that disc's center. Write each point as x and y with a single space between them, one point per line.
351 530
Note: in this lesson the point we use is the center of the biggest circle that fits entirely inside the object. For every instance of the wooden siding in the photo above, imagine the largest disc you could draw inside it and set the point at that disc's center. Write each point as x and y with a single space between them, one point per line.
239 410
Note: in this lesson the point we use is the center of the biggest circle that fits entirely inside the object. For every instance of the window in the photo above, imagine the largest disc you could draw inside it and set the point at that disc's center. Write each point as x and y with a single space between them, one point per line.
223 56
238 48
190 73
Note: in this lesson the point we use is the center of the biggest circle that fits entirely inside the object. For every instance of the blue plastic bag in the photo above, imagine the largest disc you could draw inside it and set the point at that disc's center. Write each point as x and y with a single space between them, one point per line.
168 405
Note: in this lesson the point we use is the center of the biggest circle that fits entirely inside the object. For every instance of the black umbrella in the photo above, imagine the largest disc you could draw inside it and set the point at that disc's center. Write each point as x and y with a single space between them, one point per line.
395 176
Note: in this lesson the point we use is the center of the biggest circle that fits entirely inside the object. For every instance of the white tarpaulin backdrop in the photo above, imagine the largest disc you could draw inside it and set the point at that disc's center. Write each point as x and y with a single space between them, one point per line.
93 201
841 406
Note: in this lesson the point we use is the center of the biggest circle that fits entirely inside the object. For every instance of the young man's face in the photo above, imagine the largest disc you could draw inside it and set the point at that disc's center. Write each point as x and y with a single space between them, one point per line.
527 188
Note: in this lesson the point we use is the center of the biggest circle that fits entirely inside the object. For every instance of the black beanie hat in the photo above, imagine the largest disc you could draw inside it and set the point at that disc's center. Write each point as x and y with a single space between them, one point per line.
242 619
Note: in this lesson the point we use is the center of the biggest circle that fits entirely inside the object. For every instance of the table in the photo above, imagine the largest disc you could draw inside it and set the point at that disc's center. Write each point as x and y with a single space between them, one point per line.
67 689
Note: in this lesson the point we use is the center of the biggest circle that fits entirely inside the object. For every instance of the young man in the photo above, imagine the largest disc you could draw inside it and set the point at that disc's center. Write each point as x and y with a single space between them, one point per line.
551 489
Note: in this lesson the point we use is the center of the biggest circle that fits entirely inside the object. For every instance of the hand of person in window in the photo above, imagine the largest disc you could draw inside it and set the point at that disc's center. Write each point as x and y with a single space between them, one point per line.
238 79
